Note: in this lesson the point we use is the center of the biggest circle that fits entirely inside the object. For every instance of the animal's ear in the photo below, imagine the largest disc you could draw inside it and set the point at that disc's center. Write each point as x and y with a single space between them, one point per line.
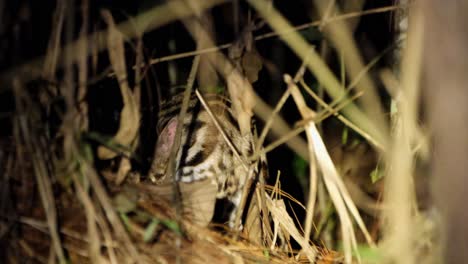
163 150
166 138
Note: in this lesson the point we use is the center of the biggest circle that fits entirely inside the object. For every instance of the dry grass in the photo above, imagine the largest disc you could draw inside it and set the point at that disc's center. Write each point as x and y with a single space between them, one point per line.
82 215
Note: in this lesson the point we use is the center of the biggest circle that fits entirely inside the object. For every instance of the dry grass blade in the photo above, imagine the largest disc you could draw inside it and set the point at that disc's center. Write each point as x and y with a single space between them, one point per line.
279 105
342 118
291 135
280 215
90 212
130 117
273 114
207 78
138 72
312 190
50 62
82 63
312 160
183 112
177 199
35 148
280 129
112 216
333 182
257 224
341 37
399 192
313 136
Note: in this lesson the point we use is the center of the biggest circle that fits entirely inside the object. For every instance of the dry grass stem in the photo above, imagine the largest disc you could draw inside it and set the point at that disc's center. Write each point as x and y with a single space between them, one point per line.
270 120
107 237
317 66
82 63
130 115
313 179
35 148
342 39
364 71
248 169
342 118
177 200
279 214
399 192
328 11
221 130
112 216
53 49
281 130
275 33
333 182
94 247
292 134
177 140
278 107
138 72
123 215
146 21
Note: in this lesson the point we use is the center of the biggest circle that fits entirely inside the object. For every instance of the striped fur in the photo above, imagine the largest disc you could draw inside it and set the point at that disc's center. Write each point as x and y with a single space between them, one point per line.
203 152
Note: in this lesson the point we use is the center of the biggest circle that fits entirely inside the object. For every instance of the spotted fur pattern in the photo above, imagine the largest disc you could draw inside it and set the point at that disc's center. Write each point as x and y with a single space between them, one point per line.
203 152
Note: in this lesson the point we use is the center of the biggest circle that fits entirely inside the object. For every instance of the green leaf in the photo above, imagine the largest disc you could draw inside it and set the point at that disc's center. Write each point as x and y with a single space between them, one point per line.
367 254
266 254
172 225
109 143
300 171
344 136
376 174
150 230
125 220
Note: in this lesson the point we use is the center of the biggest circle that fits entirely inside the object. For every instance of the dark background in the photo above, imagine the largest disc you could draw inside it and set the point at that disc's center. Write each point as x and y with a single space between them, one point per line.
24 34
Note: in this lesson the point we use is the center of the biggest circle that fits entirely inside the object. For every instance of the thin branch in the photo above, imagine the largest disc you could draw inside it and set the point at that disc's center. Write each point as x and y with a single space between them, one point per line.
318 67
90 212
292 134
274 34
221 130
278 106
44 184
343 118
327 169
270 120
111 214
175 148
